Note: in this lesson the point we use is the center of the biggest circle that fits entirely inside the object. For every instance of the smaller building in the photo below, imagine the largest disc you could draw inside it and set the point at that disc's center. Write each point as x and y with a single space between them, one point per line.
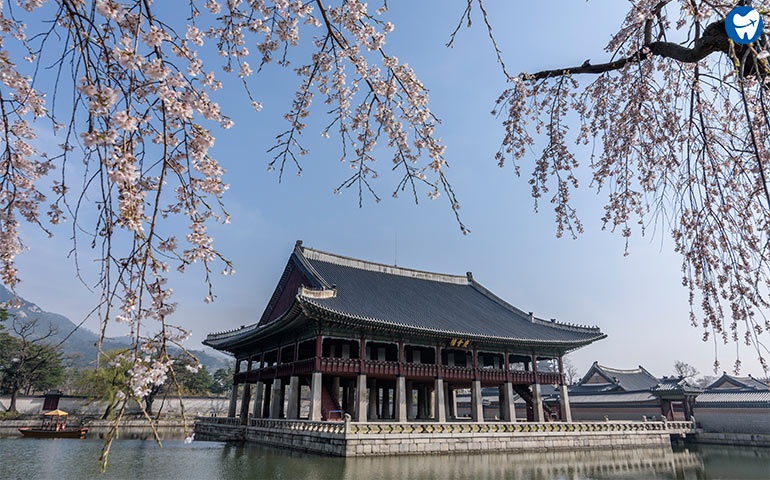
612 393
734 404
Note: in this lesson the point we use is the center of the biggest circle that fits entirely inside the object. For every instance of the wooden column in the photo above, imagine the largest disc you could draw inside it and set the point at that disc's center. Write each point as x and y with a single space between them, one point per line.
318 351
362 356
507 367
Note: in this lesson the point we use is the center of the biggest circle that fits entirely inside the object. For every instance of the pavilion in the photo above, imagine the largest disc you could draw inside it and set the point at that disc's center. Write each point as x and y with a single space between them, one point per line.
380 342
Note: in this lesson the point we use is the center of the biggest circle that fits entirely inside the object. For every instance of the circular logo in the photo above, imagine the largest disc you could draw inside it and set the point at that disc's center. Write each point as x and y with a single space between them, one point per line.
744 25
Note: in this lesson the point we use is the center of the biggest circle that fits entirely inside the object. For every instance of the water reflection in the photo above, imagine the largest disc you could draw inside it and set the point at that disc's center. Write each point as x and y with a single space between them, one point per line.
644 463
144 460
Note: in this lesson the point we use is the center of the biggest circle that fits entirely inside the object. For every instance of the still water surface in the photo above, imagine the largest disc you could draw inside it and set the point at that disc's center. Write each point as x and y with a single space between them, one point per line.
137 459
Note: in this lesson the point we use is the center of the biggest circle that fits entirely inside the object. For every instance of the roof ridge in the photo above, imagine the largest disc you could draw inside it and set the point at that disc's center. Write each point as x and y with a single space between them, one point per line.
321 256
638 369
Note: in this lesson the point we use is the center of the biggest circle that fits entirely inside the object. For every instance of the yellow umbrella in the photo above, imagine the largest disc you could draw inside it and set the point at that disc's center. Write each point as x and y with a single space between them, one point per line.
61 413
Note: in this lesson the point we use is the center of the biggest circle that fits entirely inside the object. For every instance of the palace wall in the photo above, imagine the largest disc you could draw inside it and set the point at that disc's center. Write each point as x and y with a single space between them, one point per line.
85 407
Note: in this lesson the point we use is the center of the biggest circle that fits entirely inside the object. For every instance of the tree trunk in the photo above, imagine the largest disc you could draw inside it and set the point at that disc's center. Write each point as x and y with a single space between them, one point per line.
148 400
12 406
108 411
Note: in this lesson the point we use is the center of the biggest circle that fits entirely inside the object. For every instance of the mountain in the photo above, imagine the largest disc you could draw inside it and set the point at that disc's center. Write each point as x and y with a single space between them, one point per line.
80 347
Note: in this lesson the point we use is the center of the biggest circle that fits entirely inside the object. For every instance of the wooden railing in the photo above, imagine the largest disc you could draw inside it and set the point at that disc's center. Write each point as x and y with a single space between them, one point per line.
420 370
339 366
380 368
457 373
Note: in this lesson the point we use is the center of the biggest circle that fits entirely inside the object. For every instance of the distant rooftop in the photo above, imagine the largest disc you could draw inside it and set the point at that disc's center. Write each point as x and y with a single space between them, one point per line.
600 378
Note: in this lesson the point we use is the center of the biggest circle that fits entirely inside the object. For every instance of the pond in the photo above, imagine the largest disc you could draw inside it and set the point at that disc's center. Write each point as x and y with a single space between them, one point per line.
138 459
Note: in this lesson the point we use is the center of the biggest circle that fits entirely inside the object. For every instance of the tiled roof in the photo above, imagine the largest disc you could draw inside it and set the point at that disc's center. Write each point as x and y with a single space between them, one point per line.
750 383
756 396
630 380
428 301
669 385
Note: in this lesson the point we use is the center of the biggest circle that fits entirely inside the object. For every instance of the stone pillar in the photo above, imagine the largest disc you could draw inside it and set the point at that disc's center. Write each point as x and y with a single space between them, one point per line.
477 407
453 401
409 398
385 404
336 390
400 399
421 402
507 408
282 400
259 393
447 406
440 410
245 401
373 391
276 399
292 409
267 401
537 403
351 398
233 401
360 413
431 402
315 397
566 411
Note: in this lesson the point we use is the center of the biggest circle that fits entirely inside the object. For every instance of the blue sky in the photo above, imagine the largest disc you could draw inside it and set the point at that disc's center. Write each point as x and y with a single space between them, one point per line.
638 300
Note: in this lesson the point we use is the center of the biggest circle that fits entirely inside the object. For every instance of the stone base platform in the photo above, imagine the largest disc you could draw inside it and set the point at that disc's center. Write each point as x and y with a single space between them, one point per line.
353 439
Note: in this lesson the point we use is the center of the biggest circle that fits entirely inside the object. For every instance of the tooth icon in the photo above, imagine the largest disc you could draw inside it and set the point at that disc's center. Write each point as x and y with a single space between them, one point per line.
746 25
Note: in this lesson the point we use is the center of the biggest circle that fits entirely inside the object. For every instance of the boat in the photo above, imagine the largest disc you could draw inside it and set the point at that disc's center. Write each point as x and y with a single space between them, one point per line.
54 426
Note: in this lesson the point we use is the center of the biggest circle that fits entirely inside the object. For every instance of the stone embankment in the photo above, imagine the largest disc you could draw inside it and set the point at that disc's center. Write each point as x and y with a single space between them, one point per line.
350 439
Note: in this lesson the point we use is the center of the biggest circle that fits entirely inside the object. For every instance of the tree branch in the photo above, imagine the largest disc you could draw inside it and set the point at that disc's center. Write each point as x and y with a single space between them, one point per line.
714 39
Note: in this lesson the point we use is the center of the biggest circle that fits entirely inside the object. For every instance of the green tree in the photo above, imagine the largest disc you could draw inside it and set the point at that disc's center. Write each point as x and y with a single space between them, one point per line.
194 382
106 382
27 360
222 381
